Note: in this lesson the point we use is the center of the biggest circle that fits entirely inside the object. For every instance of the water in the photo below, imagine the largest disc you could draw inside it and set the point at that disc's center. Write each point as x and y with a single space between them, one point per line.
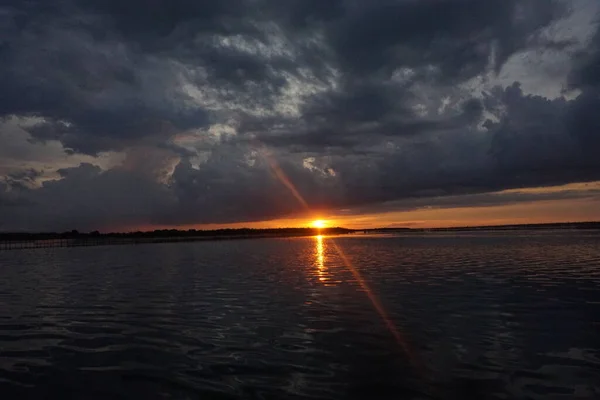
489 315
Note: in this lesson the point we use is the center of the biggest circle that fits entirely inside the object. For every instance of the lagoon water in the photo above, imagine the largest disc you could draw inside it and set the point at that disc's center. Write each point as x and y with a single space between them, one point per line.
497 315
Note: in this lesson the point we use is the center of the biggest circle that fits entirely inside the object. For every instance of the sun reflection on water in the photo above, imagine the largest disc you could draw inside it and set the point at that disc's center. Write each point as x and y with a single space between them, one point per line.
320 258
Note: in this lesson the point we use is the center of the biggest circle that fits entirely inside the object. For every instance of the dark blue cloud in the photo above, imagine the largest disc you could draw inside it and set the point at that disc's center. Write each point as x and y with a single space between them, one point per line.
380 94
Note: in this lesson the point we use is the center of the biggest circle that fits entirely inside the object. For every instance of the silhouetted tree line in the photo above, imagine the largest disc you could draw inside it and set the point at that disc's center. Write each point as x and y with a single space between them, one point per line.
174 233
275 232
547 226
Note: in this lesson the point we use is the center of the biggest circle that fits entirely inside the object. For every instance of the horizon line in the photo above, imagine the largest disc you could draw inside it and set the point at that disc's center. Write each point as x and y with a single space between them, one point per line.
457 227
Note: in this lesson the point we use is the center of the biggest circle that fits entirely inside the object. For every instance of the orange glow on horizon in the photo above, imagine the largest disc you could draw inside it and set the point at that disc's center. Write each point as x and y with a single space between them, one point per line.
568 210
532 212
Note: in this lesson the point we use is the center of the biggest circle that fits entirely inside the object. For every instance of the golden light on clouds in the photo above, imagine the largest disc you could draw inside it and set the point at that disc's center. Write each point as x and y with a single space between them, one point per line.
585 208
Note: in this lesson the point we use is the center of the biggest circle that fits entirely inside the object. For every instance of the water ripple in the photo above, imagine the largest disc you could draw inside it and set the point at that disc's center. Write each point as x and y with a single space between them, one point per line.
488 315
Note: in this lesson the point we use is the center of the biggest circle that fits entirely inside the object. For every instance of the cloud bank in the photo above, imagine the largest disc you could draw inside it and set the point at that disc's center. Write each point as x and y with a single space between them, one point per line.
118 114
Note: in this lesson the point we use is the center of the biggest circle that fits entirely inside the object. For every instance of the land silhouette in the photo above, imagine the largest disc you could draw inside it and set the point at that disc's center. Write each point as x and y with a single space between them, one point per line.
21 240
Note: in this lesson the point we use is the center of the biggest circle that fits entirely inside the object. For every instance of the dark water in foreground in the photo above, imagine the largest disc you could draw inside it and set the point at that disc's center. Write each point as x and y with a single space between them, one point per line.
491 315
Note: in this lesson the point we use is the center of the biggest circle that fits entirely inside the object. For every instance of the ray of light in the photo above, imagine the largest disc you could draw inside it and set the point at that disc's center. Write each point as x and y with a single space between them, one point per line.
377 305
282 177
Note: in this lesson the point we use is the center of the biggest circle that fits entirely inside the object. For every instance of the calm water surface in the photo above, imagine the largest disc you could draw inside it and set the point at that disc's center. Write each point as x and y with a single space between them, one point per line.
487 315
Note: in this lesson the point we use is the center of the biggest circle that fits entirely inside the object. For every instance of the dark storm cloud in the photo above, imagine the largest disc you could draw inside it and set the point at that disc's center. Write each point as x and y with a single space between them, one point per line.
91 70
7 201
534 142
360 118
455 35
23 178
91 94
361 102
86 197
478 200
91 64
586 73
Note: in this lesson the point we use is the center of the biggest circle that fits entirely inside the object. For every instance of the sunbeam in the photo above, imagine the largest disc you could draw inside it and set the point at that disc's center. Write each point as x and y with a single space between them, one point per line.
376 303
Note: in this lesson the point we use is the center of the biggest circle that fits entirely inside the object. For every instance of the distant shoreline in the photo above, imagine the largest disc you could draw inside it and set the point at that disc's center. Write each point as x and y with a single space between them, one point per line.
24 240
513 227
14 241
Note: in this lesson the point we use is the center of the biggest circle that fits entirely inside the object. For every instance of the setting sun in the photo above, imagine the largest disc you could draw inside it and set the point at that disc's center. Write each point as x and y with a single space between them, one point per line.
319 223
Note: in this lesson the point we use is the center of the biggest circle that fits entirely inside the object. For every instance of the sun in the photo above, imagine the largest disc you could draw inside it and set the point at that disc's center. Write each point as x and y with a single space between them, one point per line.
319 223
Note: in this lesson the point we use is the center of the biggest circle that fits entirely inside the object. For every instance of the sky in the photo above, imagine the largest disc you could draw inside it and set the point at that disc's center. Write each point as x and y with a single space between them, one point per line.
142 114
